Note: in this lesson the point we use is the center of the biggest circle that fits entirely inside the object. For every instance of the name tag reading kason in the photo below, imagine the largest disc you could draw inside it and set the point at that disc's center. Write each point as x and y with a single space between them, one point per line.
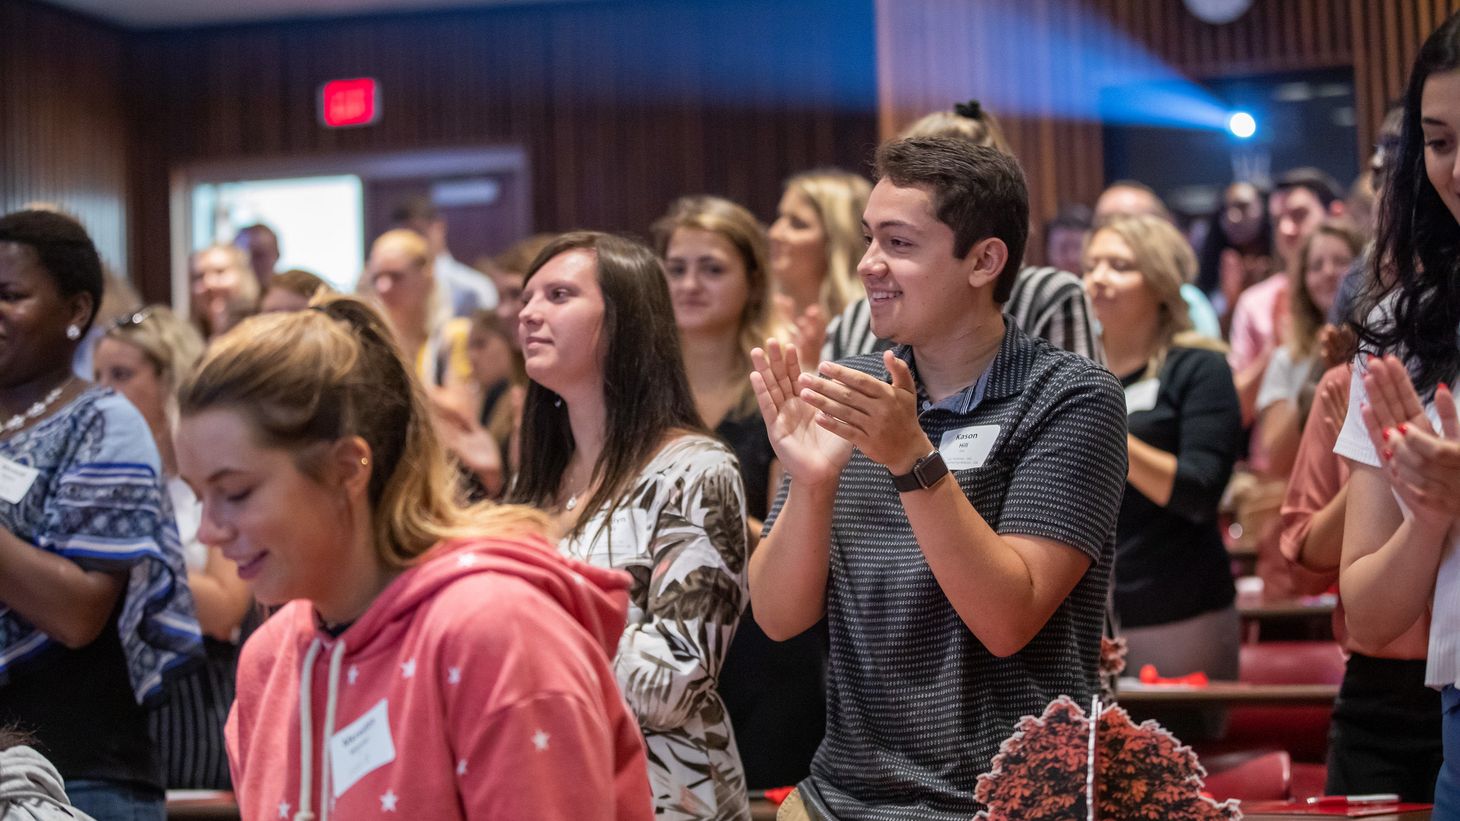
969 447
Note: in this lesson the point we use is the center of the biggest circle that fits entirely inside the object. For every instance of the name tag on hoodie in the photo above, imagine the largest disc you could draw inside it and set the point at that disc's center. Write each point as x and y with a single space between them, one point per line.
358 749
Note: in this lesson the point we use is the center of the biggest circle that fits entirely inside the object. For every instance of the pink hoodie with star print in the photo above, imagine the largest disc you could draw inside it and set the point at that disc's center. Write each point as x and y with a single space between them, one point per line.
477 686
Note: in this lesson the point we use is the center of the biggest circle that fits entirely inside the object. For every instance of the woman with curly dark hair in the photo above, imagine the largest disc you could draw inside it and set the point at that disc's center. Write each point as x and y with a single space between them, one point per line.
1401 557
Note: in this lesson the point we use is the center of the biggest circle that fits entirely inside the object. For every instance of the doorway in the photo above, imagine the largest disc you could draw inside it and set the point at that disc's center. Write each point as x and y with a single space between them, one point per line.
327 210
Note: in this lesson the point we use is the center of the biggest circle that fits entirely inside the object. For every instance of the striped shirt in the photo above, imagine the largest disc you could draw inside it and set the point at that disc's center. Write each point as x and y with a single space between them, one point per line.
1046 302
916 705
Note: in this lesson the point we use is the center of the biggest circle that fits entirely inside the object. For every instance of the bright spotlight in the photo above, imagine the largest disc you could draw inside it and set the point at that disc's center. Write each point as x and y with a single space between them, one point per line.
1241 125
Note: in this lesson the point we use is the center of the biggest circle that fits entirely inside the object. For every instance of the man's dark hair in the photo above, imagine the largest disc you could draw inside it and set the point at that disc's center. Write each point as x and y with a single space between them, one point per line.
414 208
1320 182
977 191
62 249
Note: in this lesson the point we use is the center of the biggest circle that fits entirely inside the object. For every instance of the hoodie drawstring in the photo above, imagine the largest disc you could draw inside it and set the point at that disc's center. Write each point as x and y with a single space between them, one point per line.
331 702
306 731
306 734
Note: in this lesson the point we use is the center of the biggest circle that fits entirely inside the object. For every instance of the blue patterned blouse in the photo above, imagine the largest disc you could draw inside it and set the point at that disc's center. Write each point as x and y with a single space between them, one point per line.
98 500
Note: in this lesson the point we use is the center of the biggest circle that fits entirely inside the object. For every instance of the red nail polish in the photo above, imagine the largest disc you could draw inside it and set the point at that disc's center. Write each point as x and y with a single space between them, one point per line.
1386 434
1388 454
1403 429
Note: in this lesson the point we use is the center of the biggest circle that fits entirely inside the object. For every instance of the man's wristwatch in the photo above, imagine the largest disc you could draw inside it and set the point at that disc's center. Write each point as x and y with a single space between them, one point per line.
925 473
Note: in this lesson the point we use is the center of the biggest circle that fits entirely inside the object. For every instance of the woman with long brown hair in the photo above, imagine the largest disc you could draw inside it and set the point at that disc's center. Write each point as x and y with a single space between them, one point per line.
614 448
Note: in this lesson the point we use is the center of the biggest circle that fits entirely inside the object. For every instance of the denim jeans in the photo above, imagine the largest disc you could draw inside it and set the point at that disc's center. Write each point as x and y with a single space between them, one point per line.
1447 786
117 800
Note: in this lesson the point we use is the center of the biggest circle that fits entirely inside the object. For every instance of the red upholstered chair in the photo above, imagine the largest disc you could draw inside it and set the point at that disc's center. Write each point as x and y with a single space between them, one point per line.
1301 731
1255 775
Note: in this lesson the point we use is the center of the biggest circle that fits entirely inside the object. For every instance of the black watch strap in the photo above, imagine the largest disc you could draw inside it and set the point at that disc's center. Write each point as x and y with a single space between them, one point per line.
924 474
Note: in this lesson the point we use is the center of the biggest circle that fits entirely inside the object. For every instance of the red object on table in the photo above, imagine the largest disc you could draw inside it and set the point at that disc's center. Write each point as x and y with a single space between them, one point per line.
777 795
1332 810
1150 676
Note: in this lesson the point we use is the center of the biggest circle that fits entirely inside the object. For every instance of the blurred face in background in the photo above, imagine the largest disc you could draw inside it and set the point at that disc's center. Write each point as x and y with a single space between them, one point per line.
1242 213
1119 293
1063 247
262 248
708 283
401 282
218 288
490 355
798 244
509 301
1294 212
1328 260
127 370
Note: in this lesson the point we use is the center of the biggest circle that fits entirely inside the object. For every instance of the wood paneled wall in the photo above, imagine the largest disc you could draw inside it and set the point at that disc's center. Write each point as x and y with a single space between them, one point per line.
931 53
63 134
622 106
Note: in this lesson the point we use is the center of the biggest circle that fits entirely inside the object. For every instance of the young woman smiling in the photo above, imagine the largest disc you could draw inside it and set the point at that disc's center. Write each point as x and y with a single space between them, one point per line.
429 660
1400 560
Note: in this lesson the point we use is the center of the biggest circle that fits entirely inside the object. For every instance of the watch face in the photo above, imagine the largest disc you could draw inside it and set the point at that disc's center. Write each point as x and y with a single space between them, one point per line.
1218 12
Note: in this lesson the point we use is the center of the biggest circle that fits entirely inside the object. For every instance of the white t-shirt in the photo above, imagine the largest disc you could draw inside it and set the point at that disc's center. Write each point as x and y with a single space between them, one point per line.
189 513
1283 378
1443 664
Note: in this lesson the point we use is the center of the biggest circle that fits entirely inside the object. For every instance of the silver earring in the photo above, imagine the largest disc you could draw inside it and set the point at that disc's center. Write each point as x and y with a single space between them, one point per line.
558 403
73 332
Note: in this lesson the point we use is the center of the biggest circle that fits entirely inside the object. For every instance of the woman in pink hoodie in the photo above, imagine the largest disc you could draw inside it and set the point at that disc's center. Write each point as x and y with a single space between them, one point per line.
431 661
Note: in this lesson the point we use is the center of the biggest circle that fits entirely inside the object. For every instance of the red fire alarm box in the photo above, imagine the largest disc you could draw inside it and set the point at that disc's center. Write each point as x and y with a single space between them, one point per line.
348 103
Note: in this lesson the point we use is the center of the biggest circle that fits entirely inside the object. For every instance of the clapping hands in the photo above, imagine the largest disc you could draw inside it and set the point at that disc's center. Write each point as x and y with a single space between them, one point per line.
1422 467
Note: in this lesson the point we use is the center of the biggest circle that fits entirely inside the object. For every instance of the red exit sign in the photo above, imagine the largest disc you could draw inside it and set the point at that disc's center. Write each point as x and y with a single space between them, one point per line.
345 103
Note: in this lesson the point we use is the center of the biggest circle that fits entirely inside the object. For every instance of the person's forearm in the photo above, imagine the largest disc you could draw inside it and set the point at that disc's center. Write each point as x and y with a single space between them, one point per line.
1279 436
66 602
1322 549
222 599
1152 471
789 567
992 587
1249 384
1386 591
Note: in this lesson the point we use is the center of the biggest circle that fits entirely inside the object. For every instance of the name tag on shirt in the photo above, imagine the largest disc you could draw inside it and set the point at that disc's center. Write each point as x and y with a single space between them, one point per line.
15 480
968 447
358 749
1141 396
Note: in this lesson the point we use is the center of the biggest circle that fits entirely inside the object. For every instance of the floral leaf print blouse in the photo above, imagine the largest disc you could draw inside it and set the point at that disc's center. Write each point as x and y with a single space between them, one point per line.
679 531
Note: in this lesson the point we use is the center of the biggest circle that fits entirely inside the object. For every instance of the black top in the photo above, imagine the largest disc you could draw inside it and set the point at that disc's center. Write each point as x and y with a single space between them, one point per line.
80 705
774 691
1170 563
745 434
916 705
